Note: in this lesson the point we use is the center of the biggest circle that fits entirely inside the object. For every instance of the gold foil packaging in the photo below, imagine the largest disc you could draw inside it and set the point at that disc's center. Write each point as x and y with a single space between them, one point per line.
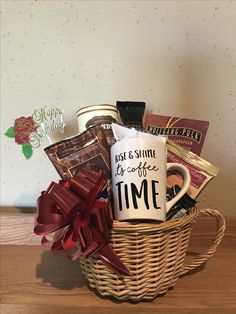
201 171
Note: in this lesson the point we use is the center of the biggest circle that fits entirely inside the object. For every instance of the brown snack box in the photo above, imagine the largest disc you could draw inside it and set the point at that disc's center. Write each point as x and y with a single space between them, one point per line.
188 133
89 149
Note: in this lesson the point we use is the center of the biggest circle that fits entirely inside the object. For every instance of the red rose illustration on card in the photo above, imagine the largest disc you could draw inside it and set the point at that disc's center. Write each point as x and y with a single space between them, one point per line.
21 131
23 127
29 132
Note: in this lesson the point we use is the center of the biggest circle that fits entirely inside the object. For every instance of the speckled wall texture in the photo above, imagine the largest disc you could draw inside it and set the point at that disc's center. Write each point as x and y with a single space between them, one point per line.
178 56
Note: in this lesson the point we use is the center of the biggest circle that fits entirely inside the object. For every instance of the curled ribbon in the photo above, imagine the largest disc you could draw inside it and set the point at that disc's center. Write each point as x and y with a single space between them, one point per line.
76 212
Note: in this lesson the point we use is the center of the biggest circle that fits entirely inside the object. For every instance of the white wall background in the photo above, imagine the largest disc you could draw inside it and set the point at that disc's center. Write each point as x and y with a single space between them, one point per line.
178 56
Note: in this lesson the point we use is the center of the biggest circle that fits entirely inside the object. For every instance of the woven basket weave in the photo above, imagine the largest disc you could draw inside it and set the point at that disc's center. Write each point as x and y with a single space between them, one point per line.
154 254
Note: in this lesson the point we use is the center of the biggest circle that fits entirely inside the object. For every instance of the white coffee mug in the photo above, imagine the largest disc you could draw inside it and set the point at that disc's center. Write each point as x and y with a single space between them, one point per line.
139 171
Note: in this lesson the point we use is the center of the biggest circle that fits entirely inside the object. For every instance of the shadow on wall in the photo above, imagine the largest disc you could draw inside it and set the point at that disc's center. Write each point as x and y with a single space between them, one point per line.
59 271
190 85
194 86
71 128
24 199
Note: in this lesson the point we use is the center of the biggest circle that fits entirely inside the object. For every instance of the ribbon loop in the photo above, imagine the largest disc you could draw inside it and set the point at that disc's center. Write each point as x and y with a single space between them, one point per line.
101 214
64 198
77 215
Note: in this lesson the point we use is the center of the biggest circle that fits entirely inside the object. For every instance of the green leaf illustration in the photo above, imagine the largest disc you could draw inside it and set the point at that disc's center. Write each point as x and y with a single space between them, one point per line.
10 132
27 150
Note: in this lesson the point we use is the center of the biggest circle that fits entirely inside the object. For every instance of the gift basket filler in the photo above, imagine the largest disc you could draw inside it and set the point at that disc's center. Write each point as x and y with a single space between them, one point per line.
126 202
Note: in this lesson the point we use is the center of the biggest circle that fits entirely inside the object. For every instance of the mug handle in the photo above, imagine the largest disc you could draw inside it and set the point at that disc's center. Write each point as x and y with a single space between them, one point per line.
185 186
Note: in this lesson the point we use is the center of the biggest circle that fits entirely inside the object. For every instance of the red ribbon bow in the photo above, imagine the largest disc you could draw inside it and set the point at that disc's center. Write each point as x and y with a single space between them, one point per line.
72 211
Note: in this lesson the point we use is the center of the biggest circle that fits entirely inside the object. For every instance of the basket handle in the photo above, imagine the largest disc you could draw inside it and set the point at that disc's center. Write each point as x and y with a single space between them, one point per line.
220 228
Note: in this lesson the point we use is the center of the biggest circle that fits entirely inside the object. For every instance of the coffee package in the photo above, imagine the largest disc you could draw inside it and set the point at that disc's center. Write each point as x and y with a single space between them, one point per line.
131 113
201 171
188 133
88 150
103 114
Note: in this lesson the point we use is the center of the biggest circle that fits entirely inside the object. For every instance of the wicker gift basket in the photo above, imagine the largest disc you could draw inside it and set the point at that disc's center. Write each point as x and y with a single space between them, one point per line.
154 254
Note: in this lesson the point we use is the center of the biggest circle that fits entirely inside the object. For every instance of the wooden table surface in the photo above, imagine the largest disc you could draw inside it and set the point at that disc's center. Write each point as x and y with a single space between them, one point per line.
35 281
